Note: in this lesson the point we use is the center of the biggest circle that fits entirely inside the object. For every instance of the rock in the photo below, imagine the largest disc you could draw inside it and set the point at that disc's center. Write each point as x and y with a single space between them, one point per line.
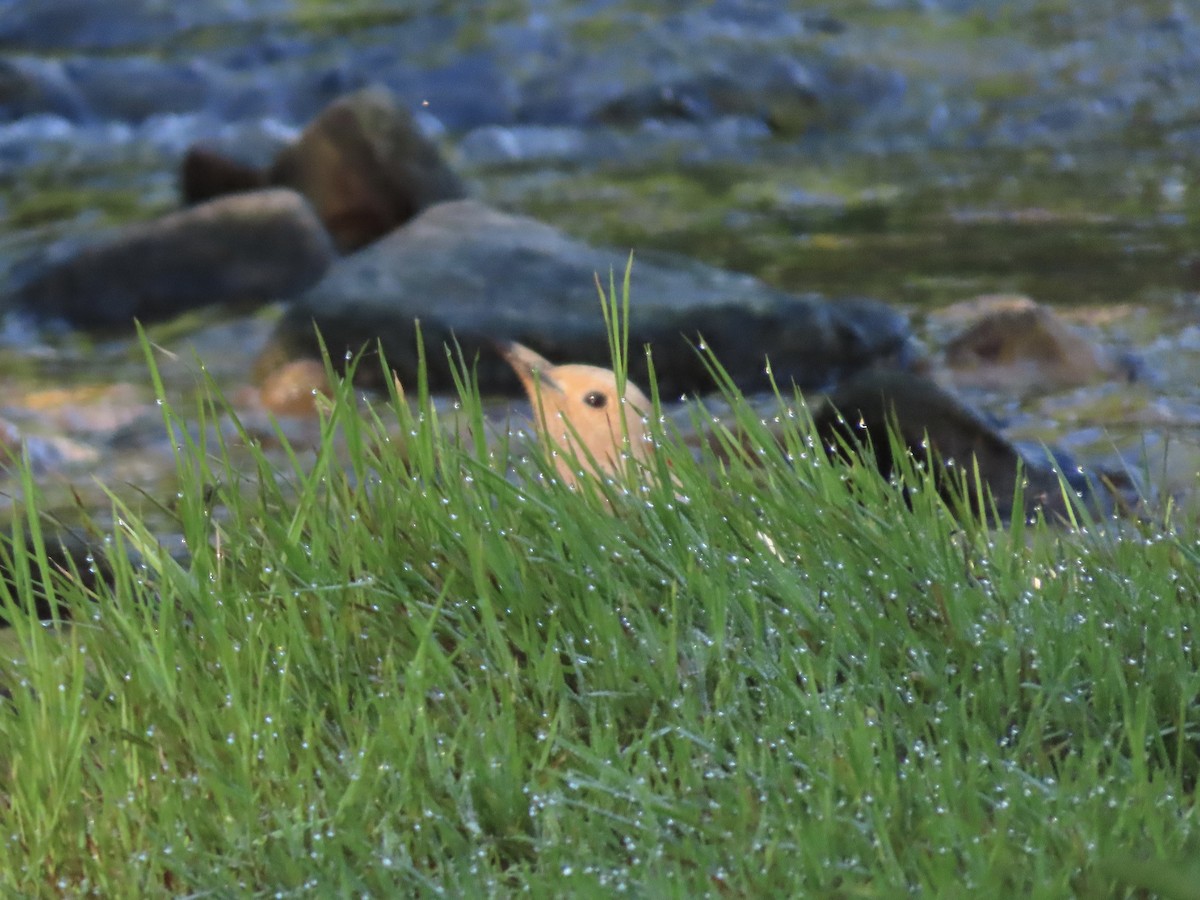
205 174
250 247
292 389
925 415
363 163
366 167
69 555
473 274
75 555
1017 346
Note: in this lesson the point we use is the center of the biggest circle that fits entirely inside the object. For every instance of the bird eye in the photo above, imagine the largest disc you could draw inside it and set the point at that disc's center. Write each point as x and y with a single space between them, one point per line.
595 399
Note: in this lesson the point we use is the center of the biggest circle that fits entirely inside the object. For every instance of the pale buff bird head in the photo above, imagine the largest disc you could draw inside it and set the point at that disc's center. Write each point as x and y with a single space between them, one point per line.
578 413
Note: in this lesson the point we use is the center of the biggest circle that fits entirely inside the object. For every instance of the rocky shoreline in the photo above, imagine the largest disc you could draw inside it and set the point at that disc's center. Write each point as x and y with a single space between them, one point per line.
264 122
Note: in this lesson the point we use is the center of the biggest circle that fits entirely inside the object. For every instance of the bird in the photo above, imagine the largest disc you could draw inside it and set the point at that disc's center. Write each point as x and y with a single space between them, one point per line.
590 426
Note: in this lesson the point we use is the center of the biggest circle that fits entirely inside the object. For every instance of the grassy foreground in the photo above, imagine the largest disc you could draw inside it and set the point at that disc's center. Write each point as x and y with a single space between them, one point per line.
392 671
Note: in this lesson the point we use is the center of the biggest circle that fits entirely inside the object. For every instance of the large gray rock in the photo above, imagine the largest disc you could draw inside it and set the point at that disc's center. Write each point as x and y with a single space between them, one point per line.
251 247
473 274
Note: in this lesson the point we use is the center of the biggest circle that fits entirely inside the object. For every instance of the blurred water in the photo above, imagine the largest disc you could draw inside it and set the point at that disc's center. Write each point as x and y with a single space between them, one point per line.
1048 152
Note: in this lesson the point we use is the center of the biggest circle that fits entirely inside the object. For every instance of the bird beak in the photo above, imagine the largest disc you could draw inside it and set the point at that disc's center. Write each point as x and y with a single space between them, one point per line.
531 368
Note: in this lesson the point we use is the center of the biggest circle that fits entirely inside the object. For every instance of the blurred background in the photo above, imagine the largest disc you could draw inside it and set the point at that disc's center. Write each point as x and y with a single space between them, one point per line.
1017 177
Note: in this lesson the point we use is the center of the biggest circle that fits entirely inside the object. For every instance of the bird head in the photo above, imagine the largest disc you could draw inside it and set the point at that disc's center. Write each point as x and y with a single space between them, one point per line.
579 413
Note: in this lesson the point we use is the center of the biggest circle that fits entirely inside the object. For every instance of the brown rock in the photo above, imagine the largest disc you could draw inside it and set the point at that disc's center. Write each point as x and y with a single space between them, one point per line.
366 168
1016 345
292 389
206 174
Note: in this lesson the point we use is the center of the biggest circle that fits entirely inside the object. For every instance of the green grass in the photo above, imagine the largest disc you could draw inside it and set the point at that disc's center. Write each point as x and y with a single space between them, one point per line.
390 670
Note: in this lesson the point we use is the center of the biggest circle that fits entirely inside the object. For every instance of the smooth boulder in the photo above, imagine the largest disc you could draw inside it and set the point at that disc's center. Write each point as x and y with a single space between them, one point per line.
472 274
1012 344
244 248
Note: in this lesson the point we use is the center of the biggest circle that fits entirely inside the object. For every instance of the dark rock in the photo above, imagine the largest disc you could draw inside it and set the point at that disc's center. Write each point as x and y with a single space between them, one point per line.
363 163
366 168
470 273
73 557
33 584
931 423
250 247
205 174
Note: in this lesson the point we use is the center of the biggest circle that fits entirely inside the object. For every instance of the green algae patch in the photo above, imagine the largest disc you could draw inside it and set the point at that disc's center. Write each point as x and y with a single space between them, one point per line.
50 205
914 228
